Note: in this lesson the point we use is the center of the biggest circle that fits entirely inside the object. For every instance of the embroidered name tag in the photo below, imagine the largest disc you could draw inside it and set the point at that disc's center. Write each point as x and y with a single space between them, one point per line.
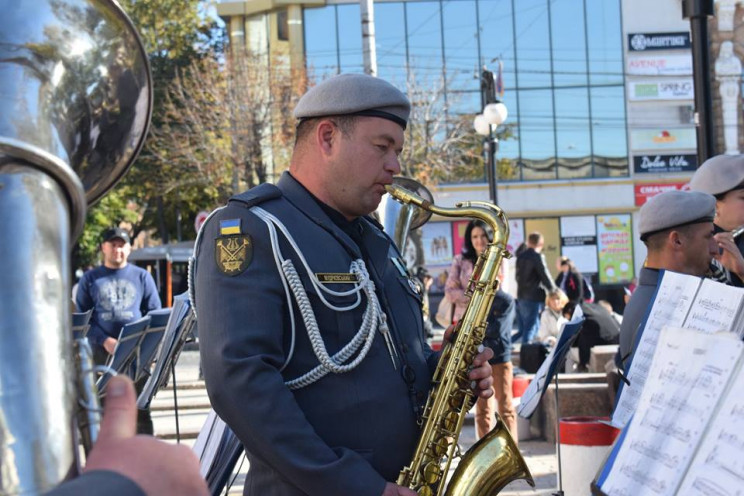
336 277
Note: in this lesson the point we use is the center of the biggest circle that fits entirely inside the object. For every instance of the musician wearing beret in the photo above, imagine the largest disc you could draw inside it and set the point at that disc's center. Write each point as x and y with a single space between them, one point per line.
311 331
677 229
723 177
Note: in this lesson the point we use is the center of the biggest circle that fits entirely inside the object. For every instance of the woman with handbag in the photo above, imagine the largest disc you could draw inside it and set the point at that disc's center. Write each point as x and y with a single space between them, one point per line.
498 332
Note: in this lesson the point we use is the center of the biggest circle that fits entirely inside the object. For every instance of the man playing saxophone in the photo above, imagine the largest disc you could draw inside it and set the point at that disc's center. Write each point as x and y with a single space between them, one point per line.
310 328
723 177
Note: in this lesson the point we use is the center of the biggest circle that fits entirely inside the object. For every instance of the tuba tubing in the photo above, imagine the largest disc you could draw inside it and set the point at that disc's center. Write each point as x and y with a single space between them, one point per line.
451 396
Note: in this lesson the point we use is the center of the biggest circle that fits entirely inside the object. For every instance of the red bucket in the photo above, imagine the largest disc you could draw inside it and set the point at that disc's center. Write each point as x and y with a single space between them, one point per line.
587 431
519 385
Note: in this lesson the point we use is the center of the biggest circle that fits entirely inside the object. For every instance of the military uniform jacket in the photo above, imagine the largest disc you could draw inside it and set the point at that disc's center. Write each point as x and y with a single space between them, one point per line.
346 434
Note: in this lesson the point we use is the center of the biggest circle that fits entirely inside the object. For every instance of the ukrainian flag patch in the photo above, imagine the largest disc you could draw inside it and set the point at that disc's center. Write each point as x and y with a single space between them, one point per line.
230 226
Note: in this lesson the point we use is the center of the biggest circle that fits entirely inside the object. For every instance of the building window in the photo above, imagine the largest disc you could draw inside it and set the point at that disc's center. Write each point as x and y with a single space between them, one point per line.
282 25
562 72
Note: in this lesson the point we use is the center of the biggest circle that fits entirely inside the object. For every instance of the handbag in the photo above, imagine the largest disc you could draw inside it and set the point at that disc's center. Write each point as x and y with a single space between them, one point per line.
445 311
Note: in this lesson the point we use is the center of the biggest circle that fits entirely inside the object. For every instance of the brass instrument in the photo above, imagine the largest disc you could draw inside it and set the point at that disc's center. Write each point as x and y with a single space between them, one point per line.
494 461
75 104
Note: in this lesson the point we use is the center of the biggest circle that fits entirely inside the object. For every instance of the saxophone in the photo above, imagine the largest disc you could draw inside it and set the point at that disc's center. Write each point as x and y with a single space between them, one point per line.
493 461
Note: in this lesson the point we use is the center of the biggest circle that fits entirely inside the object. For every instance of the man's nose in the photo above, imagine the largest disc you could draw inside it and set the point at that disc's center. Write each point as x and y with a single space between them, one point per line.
393 165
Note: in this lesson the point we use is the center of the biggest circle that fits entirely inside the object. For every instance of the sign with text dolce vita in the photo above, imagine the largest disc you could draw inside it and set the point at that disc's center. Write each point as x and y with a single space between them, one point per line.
664 163
660 65
667 89
641 42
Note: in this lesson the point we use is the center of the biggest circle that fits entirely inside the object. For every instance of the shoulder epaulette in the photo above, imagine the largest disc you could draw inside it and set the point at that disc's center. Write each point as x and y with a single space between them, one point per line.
259 194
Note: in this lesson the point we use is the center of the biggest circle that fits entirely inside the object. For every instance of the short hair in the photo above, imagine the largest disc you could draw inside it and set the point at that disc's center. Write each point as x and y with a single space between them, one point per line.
559 293
568 309
534 238
657 241
345 123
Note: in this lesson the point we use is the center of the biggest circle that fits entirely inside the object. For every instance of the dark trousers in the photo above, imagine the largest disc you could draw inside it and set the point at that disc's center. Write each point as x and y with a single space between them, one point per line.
144 418
588 337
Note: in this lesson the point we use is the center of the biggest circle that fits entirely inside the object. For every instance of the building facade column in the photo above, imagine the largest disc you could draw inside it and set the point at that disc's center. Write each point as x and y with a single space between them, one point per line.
725 11
728 75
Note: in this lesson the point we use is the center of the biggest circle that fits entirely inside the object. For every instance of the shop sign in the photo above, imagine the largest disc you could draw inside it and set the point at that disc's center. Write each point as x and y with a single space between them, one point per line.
615 249
663 139
579 241
641 42
664 163
660 65
672 89
644 192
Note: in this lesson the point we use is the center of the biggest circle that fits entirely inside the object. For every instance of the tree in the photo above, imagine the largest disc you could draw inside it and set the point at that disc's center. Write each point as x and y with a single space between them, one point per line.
443 147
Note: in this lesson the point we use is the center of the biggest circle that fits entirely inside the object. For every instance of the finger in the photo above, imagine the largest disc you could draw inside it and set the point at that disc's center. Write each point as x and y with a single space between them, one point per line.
120 411
448 333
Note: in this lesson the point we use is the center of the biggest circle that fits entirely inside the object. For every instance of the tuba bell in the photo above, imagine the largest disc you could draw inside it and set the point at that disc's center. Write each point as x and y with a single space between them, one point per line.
75 105
399 219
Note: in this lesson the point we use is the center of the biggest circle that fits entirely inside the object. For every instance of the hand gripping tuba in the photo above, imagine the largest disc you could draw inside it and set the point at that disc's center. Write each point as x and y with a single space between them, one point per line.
494 461
75 104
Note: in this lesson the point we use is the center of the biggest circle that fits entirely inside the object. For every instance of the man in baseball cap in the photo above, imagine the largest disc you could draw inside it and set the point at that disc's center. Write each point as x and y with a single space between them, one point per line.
723 177
118 293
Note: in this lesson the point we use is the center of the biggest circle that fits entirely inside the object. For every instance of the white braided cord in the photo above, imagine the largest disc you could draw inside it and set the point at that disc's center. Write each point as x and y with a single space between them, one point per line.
372 318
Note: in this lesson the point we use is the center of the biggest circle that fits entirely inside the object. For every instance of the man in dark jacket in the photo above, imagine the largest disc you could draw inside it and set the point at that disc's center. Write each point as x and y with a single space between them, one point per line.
533 279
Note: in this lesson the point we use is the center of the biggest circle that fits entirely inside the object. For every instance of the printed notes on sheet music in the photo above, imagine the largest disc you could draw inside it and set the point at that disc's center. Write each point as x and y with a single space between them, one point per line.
719 462
673 300
717 307
688 376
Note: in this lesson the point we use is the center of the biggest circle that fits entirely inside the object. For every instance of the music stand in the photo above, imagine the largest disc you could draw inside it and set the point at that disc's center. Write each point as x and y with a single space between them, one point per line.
545 374
129 338
218 450
81 324
147 348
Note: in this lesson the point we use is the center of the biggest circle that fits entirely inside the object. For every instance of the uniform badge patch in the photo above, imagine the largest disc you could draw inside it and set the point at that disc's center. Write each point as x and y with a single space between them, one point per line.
233 253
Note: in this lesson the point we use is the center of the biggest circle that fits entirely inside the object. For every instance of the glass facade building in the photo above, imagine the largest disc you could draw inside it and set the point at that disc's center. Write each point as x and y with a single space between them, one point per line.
562 71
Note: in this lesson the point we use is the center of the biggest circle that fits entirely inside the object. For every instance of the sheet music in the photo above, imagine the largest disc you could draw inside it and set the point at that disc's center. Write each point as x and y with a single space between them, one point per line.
208 442
543 376
718 466
716 307
690 370
674 297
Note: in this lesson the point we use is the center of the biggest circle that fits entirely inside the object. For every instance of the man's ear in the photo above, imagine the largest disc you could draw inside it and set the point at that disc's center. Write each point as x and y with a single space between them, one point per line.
325 135
675 238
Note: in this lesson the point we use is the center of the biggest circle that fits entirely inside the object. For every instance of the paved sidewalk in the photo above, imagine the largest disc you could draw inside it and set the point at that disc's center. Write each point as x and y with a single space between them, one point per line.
193 405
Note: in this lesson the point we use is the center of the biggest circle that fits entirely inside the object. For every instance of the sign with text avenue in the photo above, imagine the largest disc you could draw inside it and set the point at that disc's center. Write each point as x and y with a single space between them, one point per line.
664 163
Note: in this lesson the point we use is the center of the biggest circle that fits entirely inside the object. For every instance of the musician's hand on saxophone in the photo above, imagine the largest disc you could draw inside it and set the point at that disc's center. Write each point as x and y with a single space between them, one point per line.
729 254
154 465
481 373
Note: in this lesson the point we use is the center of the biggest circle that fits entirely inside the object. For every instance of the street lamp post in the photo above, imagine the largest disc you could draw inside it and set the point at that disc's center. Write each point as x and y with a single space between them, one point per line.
494 113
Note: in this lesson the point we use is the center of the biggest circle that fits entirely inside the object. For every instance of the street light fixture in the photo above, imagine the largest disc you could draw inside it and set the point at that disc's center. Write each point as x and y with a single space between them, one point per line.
494 114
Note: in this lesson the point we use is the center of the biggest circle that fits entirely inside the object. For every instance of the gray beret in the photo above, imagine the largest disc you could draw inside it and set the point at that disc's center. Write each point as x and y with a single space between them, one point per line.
675 209
719 174
354 94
